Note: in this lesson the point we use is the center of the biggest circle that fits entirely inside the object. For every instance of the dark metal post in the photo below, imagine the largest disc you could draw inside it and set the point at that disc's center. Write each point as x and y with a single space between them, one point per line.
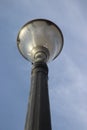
38 114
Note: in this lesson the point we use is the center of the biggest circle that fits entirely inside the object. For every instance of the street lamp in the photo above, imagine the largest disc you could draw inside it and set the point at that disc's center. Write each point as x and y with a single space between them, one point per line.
39 41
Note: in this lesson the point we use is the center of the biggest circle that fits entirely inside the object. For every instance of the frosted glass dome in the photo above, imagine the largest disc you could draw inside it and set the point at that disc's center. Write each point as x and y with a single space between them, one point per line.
40 40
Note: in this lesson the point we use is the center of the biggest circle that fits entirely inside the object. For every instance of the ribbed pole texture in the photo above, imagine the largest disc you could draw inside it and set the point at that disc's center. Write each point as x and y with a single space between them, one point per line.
38 114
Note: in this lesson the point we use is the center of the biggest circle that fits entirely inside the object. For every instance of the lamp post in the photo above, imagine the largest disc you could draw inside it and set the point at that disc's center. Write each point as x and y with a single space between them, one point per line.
39 41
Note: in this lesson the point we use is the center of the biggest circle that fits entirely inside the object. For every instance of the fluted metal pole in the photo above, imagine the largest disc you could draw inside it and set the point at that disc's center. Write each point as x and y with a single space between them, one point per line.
38 114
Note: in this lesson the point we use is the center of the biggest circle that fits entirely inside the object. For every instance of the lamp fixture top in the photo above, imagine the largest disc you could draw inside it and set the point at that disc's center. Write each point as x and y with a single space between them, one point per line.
40 40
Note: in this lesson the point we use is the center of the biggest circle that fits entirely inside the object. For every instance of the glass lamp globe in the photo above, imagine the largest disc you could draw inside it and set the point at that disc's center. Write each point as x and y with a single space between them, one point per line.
40 40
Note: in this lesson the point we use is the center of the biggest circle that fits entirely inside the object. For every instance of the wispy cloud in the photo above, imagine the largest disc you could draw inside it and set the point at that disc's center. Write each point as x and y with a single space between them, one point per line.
69 100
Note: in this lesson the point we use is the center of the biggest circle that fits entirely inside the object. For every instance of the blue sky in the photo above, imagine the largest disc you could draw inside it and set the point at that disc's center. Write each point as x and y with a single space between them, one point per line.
67 73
